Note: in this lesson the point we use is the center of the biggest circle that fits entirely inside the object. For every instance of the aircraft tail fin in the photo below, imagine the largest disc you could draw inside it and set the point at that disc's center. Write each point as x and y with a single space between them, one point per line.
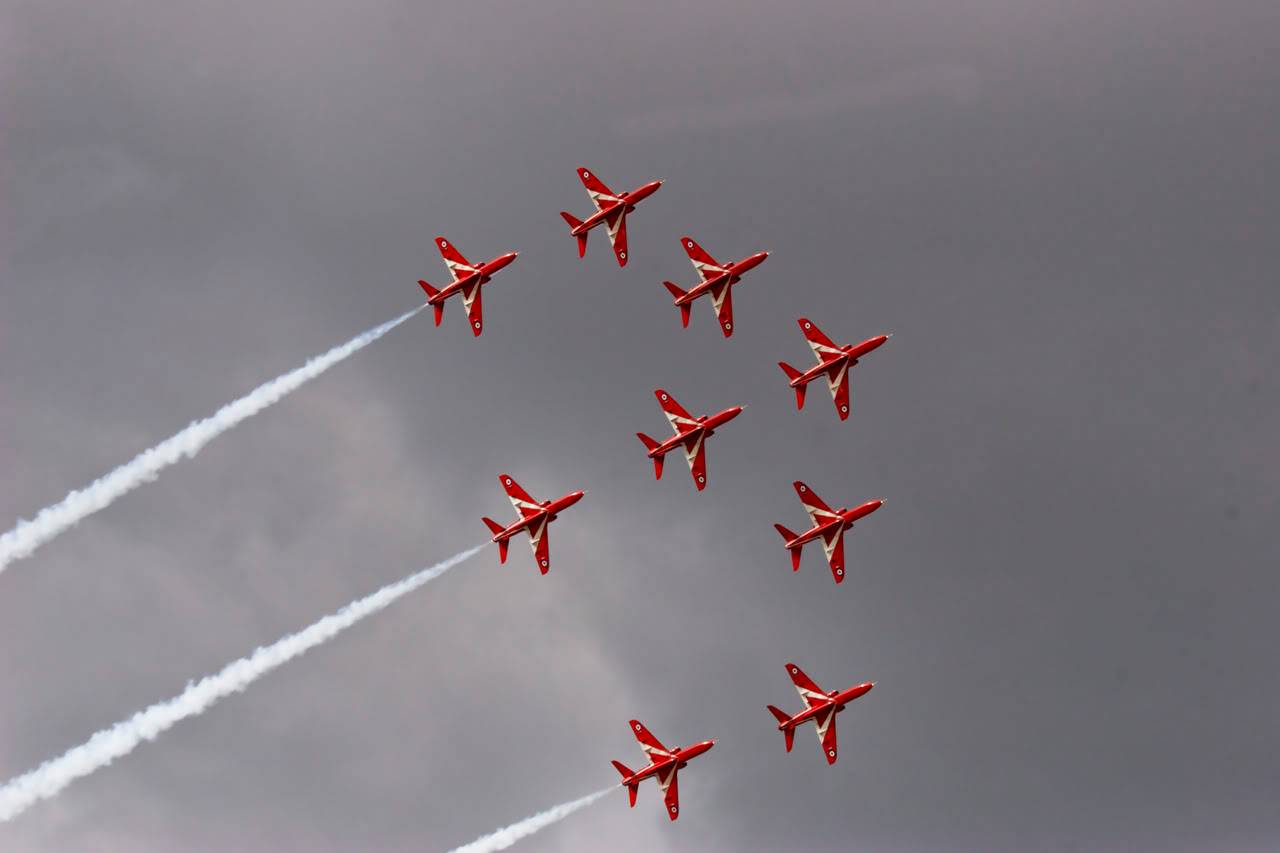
497 528
679 294
793 375
657 460
574 223
795 552
623 769
432 293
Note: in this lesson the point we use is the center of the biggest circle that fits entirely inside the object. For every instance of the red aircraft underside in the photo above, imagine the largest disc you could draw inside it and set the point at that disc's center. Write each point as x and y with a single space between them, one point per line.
833 363
717 281
534 519
690 436
829 525
468 278
819 707
611 211
664 765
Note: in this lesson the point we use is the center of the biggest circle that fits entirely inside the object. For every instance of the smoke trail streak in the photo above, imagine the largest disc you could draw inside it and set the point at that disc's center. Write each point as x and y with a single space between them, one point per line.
27 536
21 792
508 835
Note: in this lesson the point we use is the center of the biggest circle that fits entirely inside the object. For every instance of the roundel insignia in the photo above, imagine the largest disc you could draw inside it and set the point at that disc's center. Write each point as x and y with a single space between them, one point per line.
794 670
585 173
728 325
477 324
839 572
622 255
808 325
844 408
508 481
673 809
802 488
444 244
637 727
702 479
689 244
544 562
831 752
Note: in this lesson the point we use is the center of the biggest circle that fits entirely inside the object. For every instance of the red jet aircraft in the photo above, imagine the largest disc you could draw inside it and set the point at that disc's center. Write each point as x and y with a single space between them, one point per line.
663 764
828 524
833 361
534 518
819 707
690 434
468 278
717 279
611 209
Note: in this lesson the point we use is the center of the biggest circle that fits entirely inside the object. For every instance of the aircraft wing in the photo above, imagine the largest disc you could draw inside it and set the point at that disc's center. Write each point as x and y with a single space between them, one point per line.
695 453
617 225
827 733
808 689
822 346
520 499
707 266
601 196
681 420
722 301
540 541
819 512
459 267
671 791
833 544
838 382
472 303
651 745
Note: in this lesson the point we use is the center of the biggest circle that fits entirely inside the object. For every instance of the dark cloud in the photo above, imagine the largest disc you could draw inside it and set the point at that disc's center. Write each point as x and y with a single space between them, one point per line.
1062 212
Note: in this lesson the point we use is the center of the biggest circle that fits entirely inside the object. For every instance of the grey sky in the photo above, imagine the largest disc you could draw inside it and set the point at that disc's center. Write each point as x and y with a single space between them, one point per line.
1064 211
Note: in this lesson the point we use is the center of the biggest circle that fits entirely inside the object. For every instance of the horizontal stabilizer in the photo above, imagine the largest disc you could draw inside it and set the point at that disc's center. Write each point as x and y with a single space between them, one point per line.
679 294
574 223
496 529
657 460
623 769
789 732
432 293
795 552
793 375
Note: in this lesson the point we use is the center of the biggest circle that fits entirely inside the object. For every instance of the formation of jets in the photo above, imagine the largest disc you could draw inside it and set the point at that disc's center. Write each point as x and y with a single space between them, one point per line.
716 281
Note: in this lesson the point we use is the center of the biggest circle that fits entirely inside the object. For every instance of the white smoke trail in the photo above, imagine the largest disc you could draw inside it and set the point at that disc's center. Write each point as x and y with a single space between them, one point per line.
21 792
508 835
27 536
